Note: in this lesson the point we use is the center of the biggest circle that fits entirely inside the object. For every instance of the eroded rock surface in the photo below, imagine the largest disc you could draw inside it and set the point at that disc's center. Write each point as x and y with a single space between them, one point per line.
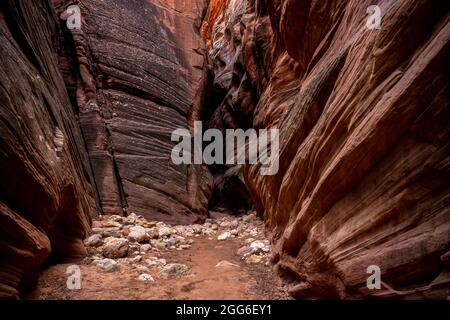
46 185
363 118
137 76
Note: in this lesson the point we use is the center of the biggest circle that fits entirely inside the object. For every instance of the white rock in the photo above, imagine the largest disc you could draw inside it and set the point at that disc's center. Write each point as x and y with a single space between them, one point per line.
145 278
225 224
136 259
197 229
155 262
164 231
142 269
107 265
94 241
116 218
152 233
224 236
259 246
158 244
234 232
131 219
115 248
137 234
146 247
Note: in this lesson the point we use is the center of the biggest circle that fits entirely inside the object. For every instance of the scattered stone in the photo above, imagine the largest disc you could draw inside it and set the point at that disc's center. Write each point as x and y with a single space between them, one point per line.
234 232
112 224
174 269
158 244
197 229
116 218
146 278
225 224
94 241
152 233
253 259
149 225
115 248
136 259
137 234
224 236
107 232
107 265
172 241
244 251
248 218
226 264
249 240
155 262
131 219
146 247
164 232
142 269
260 246
135 247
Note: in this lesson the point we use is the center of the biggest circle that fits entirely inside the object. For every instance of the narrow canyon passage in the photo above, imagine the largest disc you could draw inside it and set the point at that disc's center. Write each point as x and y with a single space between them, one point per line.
101 199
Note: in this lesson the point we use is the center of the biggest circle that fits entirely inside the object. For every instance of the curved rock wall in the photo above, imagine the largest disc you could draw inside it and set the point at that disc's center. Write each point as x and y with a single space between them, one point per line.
46 185
138 76
364 140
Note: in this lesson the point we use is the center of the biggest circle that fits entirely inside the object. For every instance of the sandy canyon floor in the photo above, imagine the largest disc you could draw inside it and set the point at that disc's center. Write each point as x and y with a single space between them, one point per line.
226 258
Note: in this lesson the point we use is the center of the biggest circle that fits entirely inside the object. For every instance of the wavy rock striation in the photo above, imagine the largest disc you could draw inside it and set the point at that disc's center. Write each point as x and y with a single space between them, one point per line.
363 118
138 76
46 187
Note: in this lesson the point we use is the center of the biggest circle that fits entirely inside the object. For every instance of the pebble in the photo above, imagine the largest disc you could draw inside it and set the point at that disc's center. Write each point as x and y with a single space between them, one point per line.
244 251
94 241
116 218
142 269
107 265
259 246
164 232
224 236
253 259
158 244
155 262
135 259
174 269
137 234
115 248
145 278
146 247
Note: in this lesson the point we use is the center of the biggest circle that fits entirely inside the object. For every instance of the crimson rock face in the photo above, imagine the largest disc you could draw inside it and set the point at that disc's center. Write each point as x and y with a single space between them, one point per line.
363 118
46 187
139 77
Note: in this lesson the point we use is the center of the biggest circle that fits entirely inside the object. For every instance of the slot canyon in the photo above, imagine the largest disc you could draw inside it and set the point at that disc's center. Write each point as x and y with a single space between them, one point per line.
86 123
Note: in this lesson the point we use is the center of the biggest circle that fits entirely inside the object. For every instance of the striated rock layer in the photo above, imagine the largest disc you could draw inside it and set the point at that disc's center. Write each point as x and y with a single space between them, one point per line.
136 73
46 186
364 140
